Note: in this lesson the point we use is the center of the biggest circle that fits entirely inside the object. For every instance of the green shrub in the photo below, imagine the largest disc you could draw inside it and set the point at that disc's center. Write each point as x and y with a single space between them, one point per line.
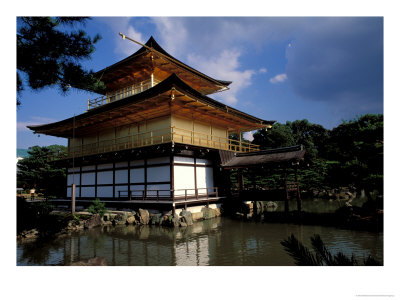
97 207
77 219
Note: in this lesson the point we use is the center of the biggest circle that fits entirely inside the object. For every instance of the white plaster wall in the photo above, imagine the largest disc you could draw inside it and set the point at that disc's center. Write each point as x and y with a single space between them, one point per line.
184 179
202 161
121 176
164 187
88 168
105 177
137 163
104 166
76 169
205 179
76 181
158 160
184 160
88 178
156 174
104 191
87 192
137 175
123 164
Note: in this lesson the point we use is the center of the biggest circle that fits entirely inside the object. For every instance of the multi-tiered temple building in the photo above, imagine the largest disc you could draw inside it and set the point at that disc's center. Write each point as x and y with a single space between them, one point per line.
155 136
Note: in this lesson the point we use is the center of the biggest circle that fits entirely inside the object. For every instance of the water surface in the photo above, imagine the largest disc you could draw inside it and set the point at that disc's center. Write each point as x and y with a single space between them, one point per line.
220 241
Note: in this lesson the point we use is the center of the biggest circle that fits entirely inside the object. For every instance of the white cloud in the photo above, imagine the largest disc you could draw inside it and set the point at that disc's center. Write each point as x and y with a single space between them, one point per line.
278 78
248 136
207 44
262 70
34 120
215 53
225 67
173 34
122 24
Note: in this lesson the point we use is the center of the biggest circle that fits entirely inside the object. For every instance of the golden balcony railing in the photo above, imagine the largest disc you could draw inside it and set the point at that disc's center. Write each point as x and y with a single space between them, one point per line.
161 136
202 139
123 93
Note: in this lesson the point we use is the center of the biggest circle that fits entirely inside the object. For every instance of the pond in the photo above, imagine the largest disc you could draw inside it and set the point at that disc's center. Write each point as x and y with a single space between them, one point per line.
217 242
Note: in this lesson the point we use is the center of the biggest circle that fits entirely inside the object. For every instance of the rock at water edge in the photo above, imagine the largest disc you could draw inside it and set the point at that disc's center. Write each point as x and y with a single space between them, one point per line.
94 221
208 213
143 216
131 220
95 261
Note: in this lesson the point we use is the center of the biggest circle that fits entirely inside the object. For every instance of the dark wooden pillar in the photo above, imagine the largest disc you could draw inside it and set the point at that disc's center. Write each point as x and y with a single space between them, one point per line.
145 177
286 192
224 182
253 178
196 192
240 179
73 195
298 195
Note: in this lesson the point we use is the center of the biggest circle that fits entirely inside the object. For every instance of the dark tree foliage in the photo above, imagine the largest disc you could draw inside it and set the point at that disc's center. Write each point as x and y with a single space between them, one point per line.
320 256
49 53
348 155
312 136
38 170
301 132
356 151
278 136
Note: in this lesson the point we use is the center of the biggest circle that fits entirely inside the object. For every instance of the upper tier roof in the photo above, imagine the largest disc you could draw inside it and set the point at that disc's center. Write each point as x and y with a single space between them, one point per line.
151 58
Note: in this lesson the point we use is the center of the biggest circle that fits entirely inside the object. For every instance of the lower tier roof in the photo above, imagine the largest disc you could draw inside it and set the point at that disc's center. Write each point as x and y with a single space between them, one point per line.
171 96
263 157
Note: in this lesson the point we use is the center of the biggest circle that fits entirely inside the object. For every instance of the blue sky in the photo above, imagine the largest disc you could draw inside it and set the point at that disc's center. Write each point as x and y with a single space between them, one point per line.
324 69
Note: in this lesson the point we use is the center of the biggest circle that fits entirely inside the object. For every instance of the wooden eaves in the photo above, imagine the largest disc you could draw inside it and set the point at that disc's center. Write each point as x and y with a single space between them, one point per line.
286 155
154 102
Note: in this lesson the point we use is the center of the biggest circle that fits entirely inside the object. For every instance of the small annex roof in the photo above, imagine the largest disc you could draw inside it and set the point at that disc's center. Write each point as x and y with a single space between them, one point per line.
263 157
164 65
152 103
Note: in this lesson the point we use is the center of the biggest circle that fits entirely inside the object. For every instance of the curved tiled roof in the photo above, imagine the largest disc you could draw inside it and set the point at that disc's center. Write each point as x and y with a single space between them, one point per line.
265 157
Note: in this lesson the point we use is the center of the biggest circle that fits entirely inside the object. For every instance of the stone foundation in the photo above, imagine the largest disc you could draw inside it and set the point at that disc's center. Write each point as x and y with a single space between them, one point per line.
182 217
84 220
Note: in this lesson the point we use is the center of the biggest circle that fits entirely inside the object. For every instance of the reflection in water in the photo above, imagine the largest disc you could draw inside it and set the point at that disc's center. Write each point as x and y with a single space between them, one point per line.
219 241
